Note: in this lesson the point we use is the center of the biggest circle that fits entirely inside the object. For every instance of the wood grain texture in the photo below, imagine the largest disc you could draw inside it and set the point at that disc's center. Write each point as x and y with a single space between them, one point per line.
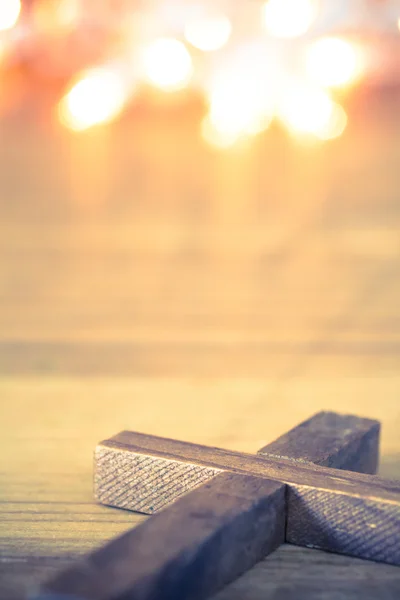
362 523
331 440
189 550
148 283
146 484
340 511
289 572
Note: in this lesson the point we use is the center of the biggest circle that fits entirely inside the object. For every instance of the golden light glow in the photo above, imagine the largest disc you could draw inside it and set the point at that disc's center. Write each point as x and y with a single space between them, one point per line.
306 110
333 62
216 136
53 15
69 11
208 33
239 106
238 111
335 125
289 18
98 97
9 13
167 64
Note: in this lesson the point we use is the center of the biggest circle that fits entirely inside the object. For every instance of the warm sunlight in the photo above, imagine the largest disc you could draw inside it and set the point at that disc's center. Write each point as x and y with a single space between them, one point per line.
98 97
208 33
9 13
333 62
53 15
335 125
167 64
307 110
289 18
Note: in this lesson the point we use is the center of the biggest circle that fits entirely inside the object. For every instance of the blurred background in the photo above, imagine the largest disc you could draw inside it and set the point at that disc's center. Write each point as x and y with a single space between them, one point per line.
199 239
197 188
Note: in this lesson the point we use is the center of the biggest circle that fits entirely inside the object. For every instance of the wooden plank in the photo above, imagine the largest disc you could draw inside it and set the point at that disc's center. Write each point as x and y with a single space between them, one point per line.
331 440
190 550
365 509
290 572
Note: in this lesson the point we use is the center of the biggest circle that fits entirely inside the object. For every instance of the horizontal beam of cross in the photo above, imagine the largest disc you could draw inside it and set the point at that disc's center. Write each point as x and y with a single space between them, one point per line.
344 512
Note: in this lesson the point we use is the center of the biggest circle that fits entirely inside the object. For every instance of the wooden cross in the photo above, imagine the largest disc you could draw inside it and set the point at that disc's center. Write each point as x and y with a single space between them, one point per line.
223 511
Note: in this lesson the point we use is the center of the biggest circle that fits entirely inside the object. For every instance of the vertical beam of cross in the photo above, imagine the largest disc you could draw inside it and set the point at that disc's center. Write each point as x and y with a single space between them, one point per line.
194 547
229 521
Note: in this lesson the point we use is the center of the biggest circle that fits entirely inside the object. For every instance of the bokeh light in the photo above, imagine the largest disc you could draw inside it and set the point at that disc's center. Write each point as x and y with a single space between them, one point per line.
208 33
216 136
167 64
335 125
231 56
289 18
52 15
308 110
241 95
9 13
97 97
333 62
237 109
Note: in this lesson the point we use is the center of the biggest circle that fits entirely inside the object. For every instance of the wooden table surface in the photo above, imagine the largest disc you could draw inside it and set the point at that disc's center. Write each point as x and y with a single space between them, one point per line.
150 283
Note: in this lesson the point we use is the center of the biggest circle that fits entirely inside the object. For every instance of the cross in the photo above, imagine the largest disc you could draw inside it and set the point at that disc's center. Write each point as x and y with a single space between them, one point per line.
219 512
